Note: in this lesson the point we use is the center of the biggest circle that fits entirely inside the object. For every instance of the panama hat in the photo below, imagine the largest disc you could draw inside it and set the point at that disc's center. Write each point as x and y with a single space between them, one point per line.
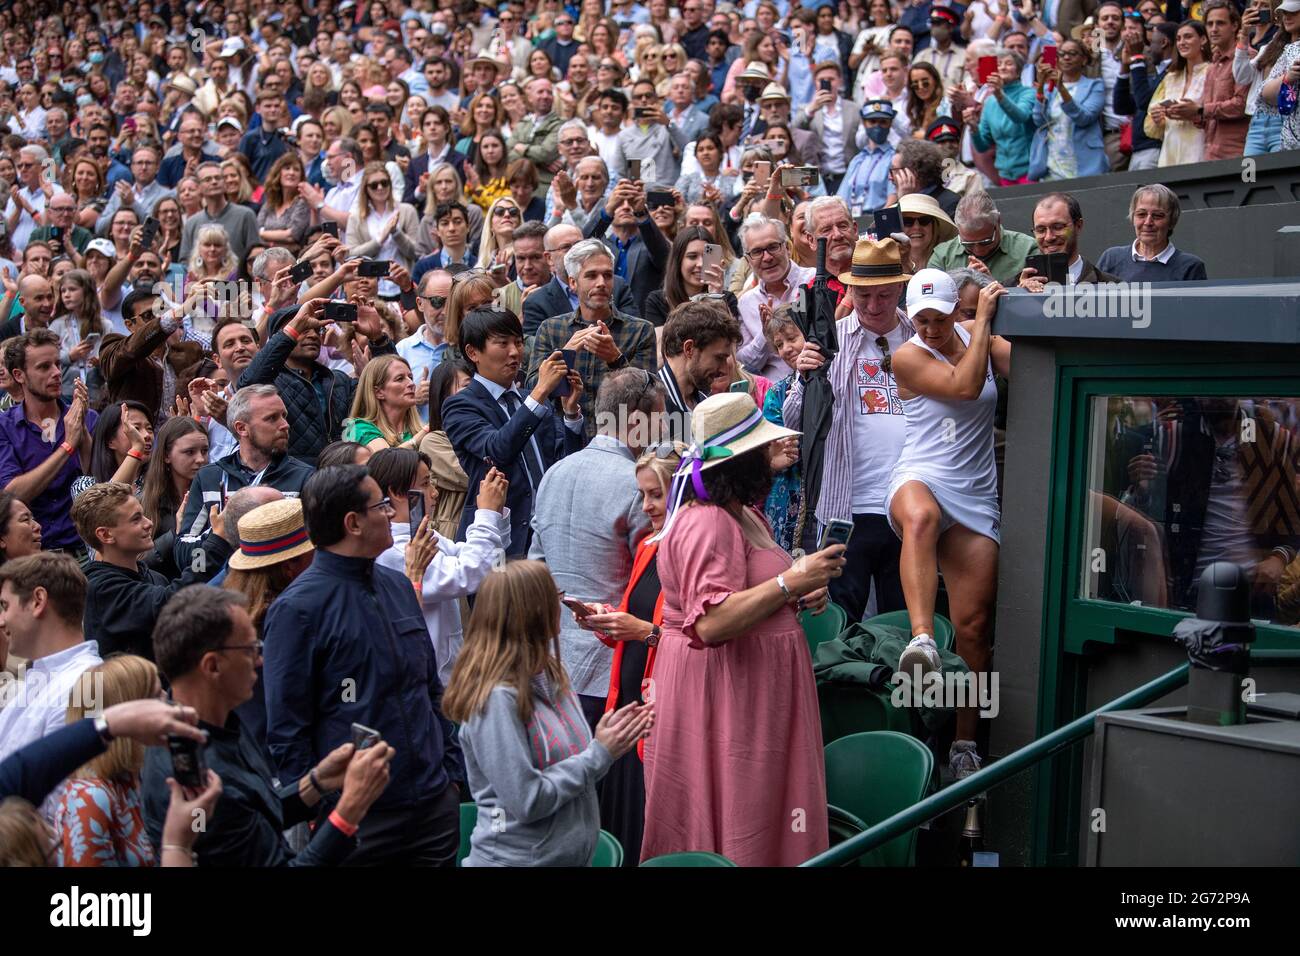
755 72
875 262
183 83
775 91
271 533
484 56
919 204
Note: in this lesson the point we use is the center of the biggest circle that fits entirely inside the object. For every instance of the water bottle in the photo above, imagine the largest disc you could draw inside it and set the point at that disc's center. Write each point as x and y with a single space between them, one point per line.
1286 99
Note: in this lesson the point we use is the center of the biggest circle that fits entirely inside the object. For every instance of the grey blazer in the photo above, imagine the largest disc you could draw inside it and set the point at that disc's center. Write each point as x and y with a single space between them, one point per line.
588 541
852 114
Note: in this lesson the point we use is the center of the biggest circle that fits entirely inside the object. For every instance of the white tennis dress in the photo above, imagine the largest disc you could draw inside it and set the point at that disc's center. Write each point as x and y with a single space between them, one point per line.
948 447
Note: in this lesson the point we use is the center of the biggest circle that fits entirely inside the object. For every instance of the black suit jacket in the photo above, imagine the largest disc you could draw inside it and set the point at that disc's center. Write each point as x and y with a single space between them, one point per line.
479 429
552 299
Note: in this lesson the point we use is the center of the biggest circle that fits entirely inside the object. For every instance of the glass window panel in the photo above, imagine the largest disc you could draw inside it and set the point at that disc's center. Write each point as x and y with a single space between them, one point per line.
1177 482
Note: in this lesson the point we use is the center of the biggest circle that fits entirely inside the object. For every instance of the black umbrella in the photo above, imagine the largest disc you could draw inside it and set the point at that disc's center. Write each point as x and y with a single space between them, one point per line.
816 319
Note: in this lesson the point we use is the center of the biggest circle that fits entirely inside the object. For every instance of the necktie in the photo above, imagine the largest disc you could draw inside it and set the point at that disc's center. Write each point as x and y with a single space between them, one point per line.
532 461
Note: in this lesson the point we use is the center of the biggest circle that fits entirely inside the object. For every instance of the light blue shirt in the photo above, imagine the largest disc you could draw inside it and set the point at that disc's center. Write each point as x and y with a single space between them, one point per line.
799 80
866 182
423 357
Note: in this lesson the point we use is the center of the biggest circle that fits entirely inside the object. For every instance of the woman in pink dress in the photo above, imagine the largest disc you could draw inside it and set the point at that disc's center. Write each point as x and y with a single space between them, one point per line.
735 766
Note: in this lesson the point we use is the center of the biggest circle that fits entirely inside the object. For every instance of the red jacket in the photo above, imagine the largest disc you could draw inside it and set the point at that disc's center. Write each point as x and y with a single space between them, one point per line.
645 553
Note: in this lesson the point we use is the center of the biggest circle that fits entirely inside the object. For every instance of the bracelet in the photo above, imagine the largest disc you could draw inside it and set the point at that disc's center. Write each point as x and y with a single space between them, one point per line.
194 857
780 582
293 333
315 782
68 449
136 454
347 829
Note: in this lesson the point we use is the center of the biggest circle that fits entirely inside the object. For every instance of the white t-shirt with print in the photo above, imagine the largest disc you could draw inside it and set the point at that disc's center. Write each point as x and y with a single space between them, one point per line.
878 423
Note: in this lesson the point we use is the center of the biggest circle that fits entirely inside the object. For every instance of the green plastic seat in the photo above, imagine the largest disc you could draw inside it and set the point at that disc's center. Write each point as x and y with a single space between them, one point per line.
853 709
875 775
692 858
609 852
468 817
819 628
944 635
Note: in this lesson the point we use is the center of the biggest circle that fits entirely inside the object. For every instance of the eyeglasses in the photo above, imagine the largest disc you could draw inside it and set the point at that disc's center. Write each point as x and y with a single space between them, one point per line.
769 250
887 360
383 504
980 243
437 301
649 384
255 647
504 211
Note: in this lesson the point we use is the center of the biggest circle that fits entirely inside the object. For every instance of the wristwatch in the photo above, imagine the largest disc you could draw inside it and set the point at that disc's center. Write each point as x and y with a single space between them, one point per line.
653 639
101 728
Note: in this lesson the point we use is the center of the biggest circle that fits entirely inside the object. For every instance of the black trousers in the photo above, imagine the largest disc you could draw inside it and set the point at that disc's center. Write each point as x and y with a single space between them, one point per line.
427 834
872 556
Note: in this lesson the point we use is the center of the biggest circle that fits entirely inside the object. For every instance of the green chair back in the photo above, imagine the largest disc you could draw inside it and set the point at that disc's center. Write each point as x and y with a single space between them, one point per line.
875 775
819 628
852 709
692 858
943 635
609 852
468 817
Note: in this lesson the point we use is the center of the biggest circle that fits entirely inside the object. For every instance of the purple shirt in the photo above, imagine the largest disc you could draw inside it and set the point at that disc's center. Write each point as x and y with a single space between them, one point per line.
23 449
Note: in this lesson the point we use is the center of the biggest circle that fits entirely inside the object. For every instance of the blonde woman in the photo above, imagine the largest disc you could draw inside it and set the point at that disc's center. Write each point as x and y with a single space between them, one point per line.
212 261
444 186
469 290
337 122
672 60
496 247
509 688
380 227
100 816
239 183
384 411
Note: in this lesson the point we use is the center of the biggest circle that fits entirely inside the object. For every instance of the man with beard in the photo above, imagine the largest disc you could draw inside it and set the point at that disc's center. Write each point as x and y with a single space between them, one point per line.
1058 221
233 345
697 342
319 398
258 419
44 442
97 140
193 132
143 365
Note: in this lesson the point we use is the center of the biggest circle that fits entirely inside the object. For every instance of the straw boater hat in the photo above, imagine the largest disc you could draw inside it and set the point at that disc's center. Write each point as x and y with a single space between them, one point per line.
271 533
722 427
775 91
919 204
755 72
875 262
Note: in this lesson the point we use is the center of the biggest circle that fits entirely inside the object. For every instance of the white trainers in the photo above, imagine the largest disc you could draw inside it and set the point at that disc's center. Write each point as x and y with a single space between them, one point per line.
920 652
963 760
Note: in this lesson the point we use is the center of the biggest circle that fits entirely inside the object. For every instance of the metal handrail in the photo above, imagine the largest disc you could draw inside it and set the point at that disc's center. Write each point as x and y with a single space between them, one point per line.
1001 770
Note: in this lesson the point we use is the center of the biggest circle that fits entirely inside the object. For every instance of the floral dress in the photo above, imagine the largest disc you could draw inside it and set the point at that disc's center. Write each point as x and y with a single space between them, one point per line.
782 507
101 823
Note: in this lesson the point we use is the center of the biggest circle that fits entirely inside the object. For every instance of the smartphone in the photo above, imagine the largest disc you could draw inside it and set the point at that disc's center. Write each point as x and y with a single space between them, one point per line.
801 176
762 172
330 228
93 339
300 271
363 736
1049 56
415 501
373 269
712 254
634 169
1055 266
1265 15
56 233
739 386
188 766
887 221
579 609
149 231
824 86
836 531
987 66
570 357
659 197
340 311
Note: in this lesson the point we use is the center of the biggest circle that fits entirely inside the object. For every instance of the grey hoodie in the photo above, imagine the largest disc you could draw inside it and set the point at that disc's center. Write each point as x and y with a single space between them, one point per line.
535 785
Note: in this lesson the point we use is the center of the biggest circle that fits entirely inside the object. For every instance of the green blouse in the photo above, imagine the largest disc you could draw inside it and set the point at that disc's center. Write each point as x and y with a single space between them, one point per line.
363 432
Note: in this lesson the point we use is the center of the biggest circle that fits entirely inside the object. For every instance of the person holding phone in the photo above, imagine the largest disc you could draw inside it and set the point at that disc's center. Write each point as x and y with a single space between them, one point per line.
723 769
532 761
834 122
1176 103
694 267
1068 116
444 570
1058 223
942 495
208 650
1253 66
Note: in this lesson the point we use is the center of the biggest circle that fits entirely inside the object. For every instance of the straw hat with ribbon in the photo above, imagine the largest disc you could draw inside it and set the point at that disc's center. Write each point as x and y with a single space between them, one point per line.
875 262
271 533
485 56
722 426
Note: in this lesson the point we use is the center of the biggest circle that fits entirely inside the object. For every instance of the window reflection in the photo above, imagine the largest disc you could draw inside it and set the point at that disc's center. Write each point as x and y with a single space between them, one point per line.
1176 483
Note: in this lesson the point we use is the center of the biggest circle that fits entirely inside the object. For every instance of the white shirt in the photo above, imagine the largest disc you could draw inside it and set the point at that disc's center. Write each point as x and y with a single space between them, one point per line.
29 124
1162 257
879 427
457 570
39 705
26 224
833 136
754 352
606 144
1075 270
1110 120
344 196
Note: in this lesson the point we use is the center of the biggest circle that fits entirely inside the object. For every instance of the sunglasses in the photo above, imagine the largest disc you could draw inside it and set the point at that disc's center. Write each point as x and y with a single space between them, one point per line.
437 301
379 184
665 449
917 220
887 360
506 211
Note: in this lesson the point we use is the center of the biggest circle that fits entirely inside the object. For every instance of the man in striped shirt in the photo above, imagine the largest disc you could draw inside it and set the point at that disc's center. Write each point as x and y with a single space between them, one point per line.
866 433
